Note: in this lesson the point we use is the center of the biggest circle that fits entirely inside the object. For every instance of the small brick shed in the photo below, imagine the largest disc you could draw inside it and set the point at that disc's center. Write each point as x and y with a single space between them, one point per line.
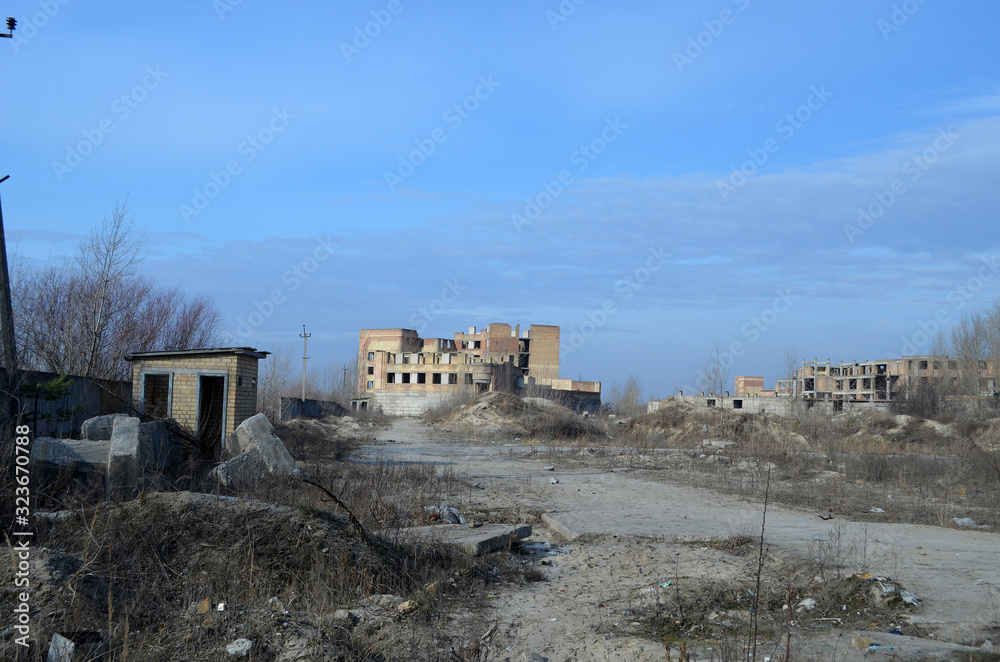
209 391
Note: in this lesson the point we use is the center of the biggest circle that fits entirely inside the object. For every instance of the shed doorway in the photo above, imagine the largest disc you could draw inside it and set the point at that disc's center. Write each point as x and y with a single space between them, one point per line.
211 407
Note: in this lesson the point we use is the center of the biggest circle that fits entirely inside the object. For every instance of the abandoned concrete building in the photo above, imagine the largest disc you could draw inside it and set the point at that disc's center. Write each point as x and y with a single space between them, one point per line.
886 380
210 391
850 385
404 374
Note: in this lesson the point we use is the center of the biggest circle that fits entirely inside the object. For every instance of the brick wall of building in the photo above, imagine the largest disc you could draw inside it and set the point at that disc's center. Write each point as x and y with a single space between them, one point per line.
240 372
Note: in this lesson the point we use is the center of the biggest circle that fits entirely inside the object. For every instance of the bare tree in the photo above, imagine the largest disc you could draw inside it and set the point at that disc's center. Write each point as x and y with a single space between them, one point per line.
276 379
107 261
970 342
789 366
714 375
81 317
625 400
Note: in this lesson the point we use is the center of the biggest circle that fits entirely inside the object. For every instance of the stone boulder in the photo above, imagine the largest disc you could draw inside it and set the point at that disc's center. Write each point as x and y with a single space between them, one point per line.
255 450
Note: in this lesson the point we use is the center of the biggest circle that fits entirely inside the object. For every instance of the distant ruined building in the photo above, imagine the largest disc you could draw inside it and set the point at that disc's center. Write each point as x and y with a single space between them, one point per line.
403 374
853 385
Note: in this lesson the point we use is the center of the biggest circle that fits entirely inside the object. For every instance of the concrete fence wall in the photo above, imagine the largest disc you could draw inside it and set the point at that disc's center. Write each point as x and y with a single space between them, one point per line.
299 408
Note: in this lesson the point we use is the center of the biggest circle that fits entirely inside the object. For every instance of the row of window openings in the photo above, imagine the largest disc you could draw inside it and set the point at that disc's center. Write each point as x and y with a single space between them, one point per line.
407 358
421 378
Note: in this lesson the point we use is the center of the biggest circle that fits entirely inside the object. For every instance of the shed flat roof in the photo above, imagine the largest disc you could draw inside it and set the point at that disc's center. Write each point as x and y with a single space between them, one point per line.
200 351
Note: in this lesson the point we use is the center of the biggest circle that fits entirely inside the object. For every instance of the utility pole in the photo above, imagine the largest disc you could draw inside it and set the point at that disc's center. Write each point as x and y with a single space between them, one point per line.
305 342
345 382
7 330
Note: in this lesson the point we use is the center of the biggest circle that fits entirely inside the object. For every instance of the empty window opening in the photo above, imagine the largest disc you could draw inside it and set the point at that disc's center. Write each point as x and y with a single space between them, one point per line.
406 378
436 378
371 370
371 385
838 405
711 403
737 404
421 377
156 395
468 378
371 356
452 377
390 378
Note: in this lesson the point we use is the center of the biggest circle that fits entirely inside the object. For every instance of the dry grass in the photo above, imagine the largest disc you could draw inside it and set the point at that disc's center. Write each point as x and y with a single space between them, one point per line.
282 559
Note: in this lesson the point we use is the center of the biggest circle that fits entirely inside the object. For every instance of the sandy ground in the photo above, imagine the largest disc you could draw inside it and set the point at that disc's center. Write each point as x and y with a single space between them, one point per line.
631 530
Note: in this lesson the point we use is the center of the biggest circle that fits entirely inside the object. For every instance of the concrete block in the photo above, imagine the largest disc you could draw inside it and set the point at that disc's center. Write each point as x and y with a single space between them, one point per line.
157 447
125 465
244 469
99 428
58 453
473 541
567 531
257 433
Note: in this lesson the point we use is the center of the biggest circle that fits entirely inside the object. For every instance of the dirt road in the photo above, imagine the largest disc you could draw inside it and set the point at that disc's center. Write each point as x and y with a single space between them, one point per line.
625 526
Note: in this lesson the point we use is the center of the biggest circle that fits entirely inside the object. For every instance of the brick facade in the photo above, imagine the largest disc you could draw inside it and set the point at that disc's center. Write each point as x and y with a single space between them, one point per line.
186 373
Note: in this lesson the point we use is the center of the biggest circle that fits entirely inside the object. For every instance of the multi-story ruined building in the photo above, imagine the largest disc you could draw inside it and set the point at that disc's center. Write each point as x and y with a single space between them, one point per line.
404 374
887 380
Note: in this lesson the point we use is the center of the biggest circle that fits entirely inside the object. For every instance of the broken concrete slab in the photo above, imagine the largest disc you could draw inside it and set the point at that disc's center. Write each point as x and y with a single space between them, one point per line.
258 451
244 469
256 433
59 453
473 541
99 428
556 523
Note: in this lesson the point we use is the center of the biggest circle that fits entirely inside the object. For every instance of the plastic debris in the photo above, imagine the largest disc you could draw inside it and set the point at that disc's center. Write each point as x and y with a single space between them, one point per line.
240 647
967 523
807 604
446 513
876 510
549 468
553 481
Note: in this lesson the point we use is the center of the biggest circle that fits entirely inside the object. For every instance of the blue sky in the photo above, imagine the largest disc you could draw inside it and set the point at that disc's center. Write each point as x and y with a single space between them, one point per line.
655 177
